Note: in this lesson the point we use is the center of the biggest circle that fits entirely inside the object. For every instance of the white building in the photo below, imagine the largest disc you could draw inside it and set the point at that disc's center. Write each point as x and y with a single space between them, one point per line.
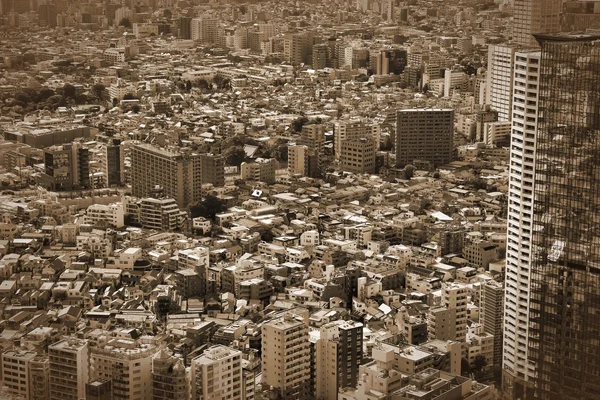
112 215
499 80
520 216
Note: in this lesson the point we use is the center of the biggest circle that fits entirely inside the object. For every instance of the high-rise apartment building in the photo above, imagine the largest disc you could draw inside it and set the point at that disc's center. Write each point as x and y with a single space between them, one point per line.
180 174
564 288
337 356
69 370
204 30
217 374
525 112
424 135
535 16
285 357
169 378
491 316
297 47
499 80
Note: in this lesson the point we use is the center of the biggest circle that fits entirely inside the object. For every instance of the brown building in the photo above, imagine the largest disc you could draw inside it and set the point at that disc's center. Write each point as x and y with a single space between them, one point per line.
358 155
424 135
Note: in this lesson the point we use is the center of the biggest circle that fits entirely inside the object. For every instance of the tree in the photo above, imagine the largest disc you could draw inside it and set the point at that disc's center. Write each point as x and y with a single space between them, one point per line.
465 368
281 154
98 90
208 208
125 22
69 91
409 171
298 123
135 108
234 155
129 96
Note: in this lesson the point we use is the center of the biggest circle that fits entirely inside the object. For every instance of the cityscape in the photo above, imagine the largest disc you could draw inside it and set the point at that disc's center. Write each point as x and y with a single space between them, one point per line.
300 200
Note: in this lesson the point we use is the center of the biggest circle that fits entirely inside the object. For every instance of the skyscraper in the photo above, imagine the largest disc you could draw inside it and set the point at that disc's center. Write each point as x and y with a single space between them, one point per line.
564 320
535 16
516 364
552 326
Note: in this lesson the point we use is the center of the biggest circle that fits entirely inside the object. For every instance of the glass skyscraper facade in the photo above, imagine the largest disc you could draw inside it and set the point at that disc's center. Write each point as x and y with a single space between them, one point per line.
564 304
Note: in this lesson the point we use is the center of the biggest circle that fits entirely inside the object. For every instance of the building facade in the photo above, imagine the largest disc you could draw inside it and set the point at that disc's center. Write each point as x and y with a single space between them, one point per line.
69 370
285 358
424 135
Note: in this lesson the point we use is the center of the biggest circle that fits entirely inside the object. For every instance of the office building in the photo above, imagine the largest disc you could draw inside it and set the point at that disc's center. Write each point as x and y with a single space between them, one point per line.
169 378
516 361
180 174
217 374
115 169
535 16
337 356
354 129
184 27
127 363
69 370
499 77
424 135
66 167
563 286
581 15
285 357
358 156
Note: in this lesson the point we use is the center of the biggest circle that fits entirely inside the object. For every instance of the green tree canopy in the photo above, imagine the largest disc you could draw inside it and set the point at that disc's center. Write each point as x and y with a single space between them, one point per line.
234 155
208 208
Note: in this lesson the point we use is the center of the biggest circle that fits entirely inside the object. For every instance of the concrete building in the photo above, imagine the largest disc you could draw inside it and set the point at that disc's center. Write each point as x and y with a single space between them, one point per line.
128 364
204 30
337 355
299 160
112 215
535 16
520 217
424 135
69 369
354 129
285 358
179 174
169 377
161 214
15 372
491 316
261 170
358 155
499 93
448 321
66 167
114 164
98 390
217 374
